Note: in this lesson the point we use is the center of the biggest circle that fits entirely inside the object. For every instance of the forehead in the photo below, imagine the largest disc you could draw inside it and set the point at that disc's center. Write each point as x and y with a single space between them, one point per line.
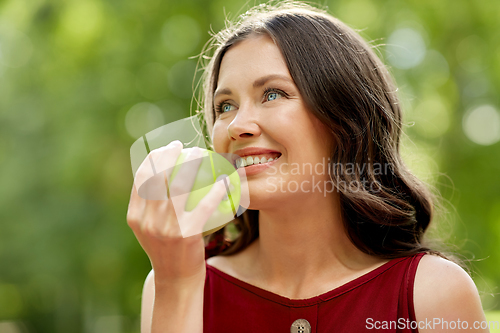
253 57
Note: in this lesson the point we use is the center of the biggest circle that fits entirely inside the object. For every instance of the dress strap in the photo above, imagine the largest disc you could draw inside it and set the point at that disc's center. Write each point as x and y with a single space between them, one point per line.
410 282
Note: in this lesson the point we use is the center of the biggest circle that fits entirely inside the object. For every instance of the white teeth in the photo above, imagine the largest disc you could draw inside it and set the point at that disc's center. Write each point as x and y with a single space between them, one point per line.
249 160
240 163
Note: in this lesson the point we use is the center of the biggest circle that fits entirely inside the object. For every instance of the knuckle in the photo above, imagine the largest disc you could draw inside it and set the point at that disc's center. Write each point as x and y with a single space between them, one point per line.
150 230
163 232
133 220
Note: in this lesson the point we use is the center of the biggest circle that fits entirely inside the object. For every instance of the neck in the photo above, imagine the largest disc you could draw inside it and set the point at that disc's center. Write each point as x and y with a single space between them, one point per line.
297 245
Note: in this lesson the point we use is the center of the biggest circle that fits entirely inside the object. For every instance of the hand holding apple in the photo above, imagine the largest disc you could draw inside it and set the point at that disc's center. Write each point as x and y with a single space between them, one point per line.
214 167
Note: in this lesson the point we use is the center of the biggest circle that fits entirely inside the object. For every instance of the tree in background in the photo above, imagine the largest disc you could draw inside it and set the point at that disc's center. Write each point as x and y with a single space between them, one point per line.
81 80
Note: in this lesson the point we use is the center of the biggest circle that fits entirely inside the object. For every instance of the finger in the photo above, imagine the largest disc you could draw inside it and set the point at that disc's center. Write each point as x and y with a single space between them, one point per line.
184 180
149 178
244 190
166 157
136 208
156 218
205 208
158 160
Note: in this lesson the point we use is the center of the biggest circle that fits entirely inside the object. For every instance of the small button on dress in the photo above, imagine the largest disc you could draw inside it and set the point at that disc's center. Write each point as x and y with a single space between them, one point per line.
300 326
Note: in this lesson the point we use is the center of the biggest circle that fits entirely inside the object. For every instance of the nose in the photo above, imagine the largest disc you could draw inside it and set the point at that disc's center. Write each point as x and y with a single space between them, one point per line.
244 125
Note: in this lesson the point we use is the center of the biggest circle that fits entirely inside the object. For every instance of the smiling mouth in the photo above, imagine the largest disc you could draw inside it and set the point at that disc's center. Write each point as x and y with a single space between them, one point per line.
250 160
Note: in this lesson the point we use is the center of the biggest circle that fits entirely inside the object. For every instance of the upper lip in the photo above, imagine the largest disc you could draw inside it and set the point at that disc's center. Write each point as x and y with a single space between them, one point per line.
252 151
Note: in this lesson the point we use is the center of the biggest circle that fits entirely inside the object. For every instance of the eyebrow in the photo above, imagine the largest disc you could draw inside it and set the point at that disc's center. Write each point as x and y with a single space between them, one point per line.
258 83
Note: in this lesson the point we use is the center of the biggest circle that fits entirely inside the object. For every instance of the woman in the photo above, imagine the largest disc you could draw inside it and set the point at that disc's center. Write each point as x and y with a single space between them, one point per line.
335 251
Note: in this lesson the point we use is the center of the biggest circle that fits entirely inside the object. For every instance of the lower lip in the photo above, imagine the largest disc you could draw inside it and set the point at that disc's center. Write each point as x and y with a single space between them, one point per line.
257 168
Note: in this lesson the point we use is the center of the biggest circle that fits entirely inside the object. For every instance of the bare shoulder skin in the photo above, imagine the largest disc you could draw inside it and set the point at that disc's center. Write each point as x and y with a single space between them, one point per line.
445 297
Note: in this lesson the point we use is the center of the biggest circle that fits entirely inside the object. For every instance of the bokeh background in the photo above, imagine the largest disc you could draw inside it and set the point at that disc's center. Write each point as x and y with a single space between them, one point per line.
80 81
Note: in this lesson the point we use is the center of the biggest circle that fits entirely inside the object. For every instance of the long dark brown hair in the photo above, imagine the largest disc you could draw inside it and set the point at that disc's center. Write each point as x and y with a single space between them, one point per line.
385 208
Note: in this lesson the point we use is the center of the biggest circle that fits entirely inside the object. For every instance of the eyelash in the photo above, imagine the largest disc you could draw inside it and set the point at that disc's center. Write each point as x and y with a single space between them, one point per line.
267 91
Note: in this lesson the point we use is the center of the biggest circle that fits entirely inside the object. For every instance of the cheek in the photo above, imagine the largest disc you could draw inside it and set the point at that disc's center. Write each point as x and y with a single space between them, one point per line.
321 134
219 137
310 142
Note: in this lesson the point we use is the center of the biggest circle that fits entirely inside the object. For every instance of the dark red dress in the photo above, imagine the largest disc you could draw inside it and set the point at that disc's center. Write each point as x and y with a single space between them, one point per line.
379 301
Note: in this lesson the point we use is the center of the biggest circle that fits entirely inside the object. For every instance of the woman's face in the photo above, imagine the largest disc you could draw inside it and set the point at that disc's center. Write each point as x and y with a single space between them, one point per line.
260 114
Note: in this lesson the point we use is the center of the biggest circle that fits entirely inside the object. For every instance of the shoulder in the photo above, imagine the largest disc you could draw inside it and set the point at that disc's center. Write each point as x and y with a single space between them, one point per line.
444 291
149 284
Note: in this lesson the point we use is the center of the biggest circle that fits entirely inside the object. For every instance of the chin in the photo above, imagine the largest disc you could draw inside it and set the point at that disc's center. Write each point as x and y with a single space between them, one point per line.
267 200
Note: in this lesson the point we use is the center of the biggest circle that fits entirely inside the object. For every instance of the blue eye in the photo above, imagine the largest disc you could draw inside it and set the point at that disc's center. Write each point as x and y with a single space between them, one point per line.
272 94
225 107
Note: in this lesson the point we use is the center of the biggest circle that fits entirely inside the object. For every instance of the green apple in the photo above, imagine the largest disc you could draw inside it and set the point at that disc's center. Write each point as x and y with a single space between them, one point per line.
212 166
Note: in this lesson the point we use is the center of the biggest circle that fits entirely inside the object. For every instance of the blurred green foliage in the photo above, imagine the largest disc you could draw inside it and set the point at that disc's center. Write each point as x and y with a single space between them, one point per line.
81 80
